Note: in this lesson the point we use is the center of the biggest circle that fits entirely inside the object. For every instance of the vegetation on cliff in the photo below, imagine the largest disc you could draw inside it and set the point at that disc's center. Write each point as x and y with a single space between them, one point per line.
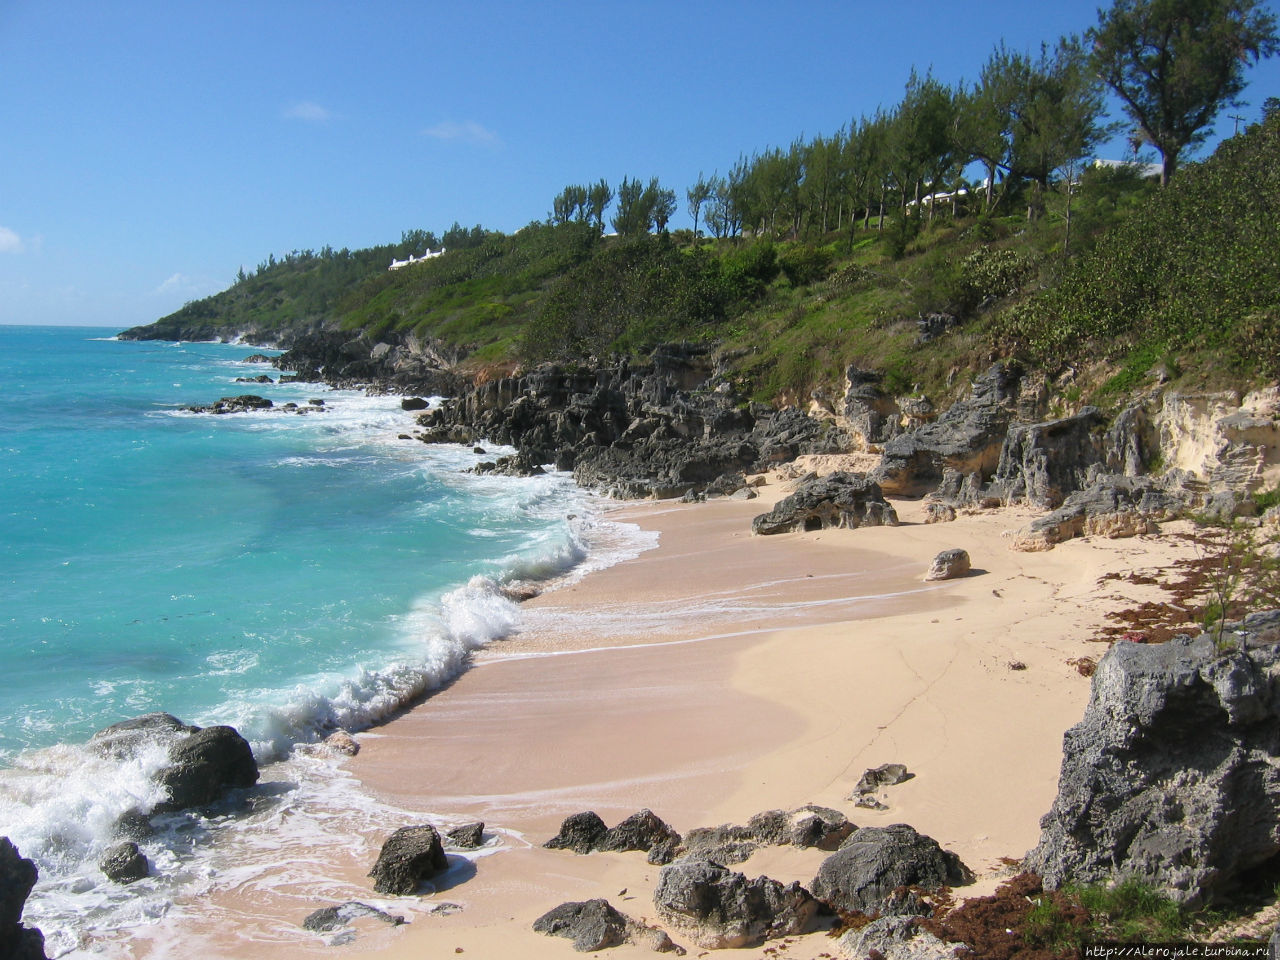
870 247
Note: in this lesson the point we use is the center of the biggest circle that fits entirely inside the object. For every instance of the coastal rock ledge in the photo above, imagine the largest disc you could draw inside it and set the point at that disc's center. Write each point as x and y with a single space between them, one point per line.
1173 775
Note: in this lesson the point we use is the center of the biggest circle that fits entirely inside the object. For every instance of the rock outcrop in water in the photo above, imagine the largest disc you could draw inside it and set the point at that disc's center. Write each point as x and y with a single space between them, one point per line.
203 762
1172 777
17 876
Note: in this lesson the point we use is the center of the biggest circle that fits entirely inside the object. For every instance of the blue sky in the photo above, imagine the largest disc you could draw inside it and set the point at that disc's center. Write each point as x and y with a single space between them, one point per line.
150 149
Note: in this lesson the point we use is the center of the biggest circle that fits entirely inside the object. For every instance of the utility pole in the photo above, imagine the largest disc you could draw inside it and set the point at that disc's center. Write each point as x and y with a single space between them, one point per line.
1238 120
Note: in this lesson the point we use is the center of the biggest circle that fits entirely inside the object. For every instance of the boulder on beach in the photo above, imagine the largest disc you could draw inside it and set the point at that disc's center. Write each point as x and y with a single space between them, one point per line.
469 836
948 565
328 919
873 862
719 909
590 924
409 856
580 833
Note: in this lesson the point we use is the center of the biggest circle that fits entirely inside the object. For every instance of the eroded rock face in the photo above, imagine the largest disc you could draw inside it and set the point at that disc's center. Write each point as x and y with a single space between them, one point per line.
409 856
967 438
720 909
17 876
840 499
1042 463
1171 777
875 861
1114 507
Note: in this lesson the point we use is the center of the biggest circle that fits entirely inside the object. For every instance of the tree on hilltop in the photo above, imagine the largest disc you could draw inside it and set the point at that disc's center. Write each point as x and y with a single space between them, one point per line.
1176 63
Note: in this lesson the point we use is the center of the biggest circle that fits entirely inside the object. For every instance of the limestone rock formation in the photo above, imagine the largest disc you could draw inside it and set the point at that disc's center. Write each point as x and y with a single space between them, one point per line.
1172 775
875 861
597 925
409 856
840 499
1042 463
967 438
1114 506
807 826
241 404
720 909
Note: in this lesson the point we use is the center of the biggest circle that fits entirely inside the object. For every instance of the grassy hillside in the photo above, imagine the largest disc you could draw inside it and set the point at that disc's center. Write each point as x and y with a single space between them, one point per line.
1141 276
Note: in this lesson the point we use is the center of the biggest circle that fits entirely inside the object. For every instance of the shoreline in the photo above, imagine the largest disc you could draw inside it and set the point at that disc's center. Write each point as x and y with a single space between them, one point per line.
761 673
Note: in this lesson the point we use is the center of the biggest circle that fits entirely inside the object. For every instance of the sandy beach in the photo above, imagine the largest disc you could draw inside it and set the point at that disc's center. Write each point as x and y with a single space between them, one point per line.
716 676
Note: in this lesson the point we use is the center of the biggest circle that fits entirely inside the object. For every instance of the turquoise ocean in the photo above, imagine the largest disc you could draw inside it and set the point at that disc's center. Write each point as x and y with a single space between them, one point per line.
281 572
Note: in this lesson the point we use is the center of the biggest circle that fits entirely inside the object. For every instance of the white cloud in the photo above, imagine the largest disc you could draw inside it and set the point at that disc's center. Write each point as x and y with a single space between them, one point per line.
307 110
10 242
182 285
468 132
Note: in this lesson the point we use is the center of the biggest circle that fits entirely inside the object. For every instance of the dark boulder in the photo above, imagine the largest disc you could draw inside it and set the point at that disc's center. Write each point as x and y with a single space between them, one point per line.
580 833
17 876
1171 777
124 863
640 831
409 856
590 924
839 500
719 909
413 403
204 764
469 836
875 861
